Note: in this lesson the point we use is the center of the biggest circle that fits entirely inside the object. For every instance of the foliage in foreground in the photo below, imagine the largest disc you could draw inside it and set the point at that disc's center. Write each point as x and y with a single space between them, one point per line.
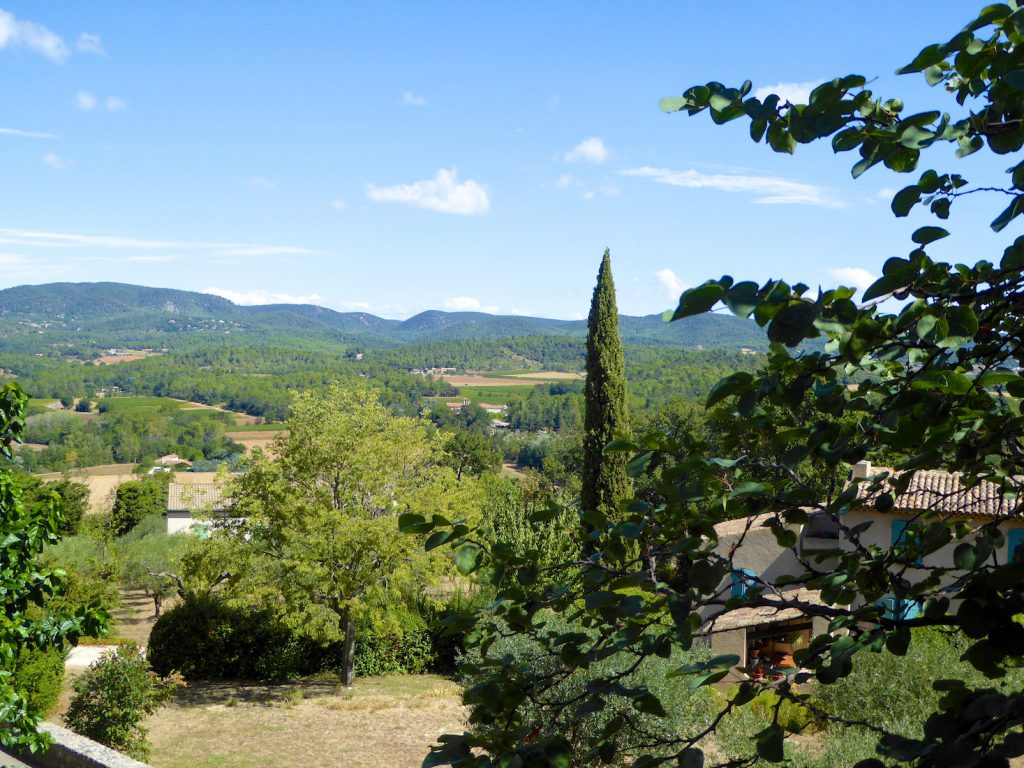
114 696
936 385
25 627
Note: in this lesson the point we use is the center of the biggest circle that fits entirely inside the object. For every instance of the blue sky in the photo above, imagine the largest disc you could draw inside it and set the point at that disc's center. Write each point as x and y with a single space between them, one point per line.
395 157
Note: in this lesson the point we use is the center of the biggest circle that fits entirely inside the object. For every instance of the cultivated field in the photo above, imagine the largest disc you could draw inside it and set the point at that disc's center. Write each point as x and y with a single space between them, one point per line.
383 721
255 438
510 379
103 479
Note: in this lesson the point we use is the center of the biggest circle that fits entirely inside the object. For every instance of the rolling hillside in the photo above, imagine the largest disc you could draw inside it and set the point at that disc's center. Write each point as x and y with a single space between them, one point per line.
79 318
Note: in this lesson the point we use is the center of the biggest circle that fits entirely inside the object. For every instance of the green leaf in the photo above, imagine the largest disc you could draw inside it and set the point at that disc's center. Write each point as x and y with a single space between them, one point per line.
926 235
697 301
649 704
730 385
466 558
742 299
906 199
1011 211
780 139
748 488
769 743
691 758
793 323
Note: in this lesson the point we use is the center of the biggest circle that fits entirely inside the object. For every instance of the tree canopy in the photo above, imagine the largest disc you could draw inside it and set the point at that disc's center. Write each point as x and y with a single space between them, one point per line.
929 380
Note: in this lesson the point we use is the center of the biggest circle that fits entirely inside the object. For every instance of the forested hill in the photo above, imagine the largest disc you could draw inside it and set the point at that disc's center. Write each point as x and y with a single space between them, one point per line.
79 318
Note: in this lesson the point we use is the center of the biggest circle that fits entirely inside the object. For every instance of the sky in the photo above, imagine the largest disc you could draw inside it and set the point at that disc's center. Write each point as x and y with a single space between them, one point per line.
394 157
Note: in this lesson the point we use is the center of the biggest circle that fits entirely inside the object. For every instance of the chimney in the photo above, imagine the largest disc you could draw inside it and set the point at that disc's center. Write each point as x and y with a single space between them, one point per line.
860 470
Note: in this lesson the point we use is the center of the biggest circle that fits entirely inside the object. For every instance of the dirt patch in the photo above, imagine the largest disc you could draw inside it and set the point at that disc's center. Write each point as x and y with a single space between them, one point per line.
115 359
382 721
551 375
485 381
101 480
134 618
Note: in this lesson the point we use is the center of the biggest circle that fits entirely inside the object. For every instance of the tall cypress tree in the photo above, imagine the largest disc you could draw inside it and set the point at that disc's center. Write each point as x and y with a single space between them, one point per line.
604 475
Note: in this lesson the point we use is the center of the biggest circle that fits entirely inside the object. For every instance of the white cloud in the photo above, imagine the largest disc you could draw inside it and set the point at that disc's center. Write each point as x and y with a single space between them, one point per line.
887 193
85 101
411 99
356 306
87 43
54 161
565 181
673 285
443 193
339 205
467 304
853 276
262 184
37 239
28 134
590 150
116 104
795 93
16 33
768 190
261 296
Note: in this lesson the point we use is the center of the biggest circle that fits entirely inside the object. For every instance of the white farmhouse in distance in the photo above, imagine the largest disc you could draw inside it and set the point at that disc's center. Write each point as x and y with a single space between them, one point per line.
191 507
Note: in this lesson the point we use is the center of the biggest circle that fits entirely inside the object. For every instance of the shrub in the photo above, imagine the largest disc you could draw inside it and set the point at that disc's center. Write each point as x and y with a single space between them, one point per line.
113 697
40 674
688 710
204 639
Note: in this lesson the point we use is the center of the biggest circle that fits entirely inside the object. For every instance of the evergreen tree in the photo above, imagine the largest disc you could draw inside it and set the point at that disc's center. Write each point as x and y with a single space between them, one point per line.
604 475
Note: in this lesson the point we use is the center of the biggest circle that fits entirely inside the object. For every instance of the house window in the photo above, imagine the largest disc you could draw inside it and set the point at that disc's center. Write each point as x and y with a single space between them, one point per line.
907 534
1015 544
743 579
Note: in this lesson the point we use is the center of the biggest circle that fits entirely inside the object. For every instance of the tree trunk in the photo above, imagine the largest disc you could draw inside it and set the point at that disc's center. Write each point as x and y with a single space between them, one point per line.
348 650
156 605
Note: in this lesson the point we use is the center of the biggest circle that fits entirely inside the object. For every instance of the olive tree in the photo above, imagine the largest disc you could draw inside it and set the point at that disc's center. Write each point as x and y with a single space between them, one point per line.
931 380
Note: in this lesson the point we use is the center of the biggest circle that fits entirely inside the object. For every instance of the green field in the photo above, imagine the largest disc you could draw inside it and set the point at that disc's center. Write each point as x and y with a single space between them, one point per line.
496 395
142 402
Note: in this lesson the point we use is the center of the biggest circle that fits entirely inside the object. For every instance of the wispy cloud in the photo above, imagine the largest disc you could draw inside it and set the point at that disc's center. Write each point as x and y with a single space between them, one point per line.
671 282
115 104
18 33
55 161
91 44
262 296
262 184
587 191
85 101
795 93
338 205
28 134
468 304
855 277
592 150
443 193
411 99
767 190
66 240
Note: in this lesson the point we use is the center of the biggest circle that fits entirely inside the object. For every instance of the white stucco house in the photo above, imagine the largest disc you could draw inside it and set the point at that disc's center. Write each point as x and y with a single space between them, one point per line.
773 633
192 508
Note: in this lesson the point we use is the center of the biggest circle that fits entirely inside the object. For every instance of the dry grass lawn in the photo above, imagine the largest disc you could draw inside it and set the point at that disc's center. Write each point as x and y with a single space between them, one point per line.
383 721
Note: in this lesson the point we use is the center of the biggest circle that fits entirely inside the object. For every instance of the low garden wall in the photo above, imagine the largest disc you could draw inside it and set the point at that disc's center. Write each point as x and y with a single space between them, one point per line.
69 750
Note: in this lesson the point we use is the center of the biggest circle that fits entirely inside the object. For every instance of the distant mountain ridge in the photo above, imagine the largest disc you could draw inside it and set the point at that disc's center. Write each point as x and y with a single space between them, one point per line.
118 314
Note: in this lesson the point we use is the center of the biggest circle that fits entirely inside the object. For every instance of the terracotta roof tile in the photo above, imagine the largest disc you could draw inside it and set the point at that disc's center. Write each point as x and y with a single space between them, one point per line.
940 491
196 497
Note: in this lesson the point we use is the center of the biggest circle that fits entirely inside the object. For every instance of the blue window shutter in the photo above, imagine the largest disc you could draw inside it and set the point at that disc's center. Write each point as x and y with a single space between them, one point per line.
1015 544
742 580
899 531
